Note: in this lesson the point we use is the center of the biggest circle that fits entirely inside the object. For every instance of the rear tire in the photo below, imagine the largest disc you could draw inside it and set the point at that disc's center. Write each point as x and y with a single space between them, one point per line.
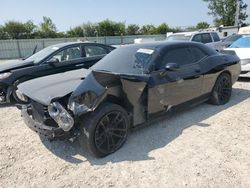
222 90
105 130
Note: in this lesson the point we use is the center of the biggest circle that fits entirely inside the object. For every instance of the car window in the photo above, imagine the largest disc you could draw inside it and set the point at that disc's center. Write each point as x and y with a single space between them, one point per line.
198 53
127 60
37 57
91 51
197 38
68 54
243 42
206 38
216 37
179 37
180 56
232 38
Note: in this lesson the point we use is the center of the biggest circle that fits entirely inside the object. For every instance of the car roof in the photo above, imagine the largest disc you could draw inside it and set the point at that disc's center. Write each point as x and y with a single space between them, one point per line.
161 44
168 45
193 32
60 45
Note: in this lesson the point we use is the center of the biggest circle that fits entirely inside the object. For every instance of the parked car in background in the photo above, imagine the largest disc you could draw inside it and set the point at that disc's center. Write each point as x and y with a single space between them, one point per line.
226 42
241 48
129 87
53 59
210 38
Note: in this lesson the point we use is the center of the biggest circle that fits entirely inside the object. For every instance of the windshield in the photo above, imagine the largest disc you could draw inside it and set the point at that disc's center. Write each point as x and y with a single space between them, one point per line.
126 60
232 38
37 57
241 43
179 37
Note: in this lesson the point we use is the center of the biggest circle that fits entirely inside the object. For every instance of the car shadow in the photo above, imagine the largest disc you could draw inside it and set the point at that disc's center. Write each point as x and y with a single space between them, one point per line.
143 141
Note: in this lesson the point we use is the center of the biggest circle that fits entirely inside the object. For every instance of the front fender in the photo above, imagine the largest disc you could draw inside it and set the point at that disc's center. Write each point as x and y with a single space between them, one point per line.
88 95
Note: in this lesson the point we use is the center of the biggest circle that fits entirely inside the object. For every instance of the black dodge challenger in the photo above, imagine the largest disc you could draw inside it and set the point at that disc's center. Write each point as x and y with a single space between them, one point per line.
129 87
51 60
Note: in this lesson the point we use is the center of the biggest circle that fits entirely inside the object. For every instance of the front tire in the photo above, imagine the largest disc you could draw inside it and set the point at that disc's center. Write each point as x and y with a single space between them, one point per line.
105 130
222 90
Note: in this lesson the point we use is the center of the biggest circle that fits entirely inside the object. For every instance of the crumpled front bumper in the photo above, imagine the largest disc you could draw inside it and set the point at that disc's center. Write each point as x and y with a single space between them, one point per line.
52 133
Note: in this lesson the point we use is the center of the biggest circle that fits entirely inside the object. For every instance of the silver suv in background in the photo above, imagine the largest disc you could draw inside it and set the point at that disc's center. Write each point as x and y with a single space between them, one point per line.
210 38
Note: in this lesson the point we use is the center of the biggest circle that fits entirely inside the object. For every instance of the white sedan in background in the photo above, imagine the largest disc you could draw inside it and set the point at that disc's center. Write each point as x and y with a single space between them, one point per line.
242 49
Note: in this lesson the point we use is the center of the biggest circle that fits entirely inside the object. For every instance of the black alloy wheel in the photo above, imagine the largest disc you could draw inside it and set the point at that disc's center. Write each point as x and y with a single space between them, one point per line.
111 132
104 130
222 90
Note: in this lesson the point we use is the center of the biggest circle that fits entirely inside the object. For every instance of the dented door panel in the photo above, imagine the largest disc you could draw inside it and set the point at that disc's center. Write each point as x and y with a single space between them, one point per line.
173 88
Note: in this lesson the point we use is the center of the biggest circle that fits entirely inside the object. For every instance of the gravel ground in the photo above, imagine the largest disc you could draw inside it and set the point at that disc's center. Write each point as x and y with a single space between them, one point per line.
206 146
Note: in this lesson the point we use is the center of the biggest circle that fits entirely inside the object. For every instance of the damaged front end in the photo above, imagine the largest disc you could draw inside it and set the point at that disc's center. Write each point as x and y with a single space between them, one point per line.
53 122
45 100
61 116
56 117
59 119
87 96
128 91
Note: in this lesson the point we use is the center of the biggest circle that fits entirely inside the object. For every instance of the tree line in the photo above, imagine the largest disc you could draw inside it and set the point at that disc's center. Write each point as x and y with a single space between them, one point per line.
47 29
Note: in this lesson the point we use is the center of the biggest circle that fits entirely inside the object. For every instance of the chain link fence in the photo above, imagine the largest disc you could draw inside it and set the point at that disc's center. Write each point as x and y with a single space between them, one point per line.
13 49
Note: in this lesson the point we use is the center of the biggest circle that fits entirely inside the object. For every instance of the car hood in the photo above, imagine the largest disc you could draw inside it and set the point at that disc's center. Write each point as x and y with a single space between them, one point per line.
242 53
14 64
44 89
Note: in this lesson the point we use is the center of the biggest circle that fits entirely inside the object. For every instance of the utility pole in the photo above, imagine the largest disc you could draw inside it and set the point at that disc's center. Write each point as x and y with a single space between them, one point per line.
237 13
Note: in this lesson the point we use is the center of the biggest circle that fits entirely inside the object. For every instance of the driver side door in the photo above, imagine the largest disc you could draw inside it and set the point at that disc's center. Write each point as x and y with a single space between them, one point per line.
168 88
67 59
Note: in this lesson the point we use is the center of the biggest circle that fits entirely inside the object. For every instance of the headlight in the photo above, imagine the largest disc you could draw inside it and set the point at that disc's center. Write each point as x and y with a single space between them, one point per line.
61 116
5 75
83 103
21 96
78 108
245 61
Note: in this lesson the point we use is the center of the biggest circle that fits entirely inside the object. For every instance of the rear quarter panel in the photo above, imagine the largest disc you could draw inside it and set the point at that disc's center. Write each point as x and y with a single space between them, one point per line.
213 66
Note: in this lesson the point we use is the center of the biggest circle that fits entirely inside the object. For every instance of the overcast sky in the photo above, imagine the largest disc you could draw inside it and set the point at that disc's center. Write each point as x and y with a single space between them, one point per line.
70 13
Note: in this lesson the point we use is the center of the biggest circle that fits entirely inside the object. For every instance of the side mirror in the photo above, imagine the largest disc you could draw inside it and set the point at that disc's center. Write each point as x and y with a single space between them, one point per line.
53 61
172 67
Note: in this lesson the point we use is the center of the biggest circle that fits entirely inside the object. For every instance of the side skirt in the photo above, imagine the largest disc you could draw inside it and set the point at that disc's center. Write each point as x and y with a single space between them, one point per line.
155 118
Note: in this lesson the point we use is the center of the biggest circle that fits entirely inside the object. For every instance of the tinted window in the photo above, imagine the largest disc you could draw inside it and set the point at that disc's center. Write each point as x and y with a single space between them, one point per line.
206 38
198 53
129 60
197 38
37 57
179 37
180 56
232 38
216 37
68 54
95 51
